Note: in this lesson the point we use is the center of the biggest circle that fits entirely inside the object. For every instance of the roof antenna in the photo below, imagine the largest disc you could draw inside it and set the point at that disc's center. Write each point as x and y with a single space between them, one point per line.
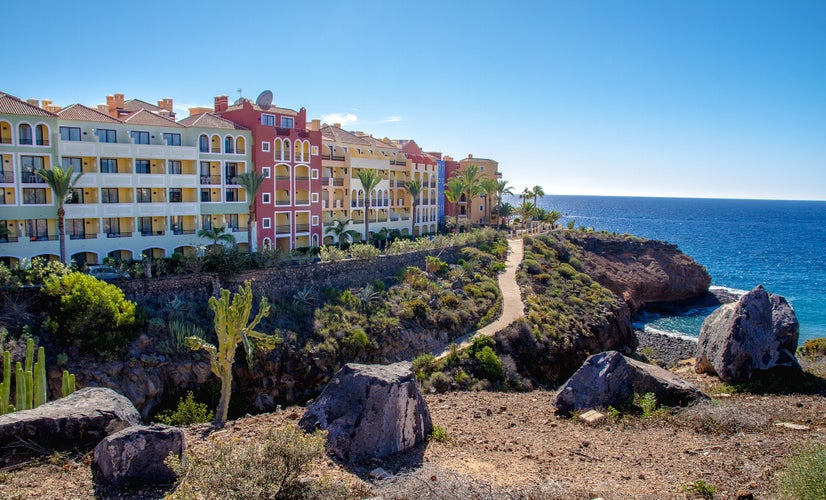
239 93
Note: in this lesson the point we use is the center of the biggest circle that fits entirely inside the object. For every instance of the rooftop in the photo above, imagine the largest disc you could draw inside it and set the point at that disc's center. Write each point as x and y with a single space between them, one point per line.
80 112
16 106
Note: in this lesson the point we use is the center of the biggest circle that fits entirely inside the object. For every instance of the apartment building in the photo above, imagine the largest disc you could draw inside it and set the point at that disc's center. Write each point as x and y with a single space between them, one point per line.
288 153
142 192
472 211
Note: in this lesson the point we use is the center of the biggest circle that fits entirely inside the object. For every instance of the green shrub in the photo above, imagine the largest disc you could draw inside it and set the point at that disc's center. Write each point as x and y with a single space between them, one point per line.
700 488
355 343
439 381
449 301
272 466
490 366
438 434
566 271
648 403
434 265
331 254
416 307
814 347
531 266
803 476
91 314
364 251
188 412
423 365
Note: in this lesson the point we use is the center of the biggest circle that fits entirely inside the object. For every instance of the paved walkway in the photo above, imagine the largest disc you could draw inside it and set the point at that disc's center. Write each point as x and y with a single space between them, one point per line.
512 306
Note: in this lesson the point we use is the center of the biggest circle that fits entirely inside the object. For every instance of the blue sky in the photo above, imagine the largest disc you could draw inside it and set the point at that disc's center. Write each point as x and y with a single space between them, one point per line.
651 98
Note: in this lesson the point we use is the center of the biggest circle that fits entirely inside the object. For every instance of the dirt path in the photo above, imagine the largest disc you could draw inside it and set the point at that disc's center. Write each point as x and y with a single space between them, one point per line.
512 306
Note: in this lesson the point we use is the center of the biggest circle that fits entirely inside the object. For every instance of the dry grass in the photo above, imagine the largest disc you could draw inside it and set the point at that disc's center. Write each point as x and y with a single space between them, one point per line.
722 417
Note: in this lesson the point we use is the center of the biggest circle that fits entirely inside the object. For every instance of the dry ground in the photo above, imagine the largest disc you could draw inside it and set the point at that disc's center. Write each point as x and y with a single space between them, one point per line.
502 444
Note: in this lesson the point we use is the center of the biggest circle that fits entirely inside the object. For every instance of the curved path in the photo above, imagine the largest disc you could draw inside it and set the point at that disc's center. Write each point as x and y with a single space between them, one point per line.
512 306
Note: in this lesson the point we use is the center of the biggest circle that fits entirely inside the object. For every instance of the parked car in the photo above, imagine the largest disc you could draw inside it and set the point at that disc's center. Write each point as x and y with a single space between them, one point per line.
107 273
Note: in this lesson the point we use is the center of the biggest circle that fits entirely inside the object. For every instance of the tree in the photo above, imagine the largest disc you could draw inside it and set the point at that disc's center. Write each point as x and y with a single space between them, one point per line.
251 182
340 231
217 235
473 188
61 181
488 187
232 326
414 187
454 188
526 211
502 189
526 195
504 210
369 178
537 192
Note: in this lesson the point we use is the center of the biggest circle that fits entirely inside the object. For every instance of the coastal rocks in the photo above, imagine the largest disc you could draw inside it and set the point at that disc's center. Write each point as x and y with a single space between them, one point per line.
370 411
758 332
137 454
641 271
80 420
611 379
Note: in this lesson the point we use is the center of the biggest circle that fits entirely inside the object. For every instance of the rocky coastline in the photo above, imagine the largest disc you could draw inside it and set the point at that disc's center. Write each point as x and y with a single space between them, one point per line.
665 350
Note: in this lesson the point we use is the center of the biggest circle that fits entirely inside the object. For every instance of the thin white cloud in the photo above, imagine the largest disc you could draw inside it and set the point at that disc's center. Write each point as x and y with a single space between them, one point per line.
393 119
342 118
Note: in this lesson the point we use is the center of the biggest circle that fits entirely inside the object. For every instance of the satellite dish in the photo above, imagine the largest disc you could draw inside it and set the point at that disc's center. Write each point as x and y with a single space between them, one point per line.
264 99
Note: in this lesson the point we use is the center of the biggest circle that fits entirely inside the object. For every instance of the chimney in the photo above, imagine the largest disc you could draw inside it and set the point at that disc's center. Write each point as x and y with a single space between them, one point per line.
315 125
164 113
221 103
165 103
199 110
33 102
103 108
469 156
113 104
337 125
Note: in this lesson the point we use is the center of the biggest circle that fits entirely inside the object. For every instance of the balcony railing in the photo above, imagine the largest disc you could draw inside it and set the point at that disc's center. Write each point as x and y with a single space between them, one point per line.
86 236
329 223
43 237
120 234
282 229
183 231
8 239
302 177
338 182
302 201
282 203
240 151
153 233
42 142
229 179
5 140
302 228
216 150
32 178
282 131
332 157
282 177
211 179
238 229
7 177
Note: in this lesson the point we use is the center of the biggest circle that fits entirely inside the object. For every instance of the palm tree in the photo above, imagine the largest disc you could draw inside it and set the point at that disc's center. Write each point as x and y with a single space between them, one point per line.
61 181
537 192
369 178
502 189
414 187
454 188
217 235
488 186
251 182
526 211
526 195
340 231
470 175
504 210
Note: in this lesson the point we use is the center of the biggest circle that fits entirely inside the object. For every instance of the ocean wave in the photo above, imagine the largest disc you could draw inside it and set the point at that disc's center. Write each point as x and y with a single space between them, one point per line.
725 289
668 333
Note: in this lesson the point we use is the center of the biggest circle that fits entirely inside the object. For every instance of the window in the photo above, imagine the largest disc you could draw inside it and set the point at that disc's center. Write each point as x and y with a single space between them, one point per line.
25 134
206 222
314 173
205 195
175 195
229 145
68 161
268 120
111 227
144 195
106 135
76 229
172 139
75 196
175 167
203 144
29 165
109 195
34 196
266 223
176 222
232 221
41 135
265 198
142 167
286 122
145 226
265 147
231 172
139 136
37 229
315 150
315 220
232 194
69 133
108 166
315 197
266 172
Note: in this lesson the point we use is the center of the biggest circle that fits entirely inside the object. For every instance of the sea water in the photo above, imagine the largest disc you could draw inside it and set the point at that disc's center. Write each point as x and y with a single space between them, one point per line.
742 243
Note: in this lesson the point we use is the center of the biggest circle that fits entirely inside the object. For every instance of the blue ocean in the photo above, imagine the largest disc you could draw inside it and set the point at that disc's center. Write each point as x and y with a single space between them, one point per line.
742 243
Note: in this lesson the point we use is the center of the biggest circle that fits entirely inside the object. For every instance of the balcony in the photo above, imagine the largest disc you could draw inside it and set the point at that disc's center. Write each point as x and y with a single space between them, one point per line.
229 179
282 177
302 201
8 239
31 178
5 140
238 229
302 177
282 229
282 203
7 177
120 234
282 131
211 180
43 237
302 228
153 233
183 231
329 223
332 157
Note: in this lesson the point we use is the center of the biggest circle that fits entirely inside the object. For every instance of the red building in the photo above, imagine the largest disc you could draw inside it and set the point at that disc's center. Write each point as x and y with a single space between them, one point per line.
288 153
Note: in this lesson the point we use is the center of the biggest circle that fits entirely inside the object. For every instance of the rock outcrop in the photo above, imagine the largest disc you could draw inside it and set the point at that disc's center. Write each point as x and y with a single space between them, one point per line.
641 271
610 379
80 420
370 411
137 454
758 332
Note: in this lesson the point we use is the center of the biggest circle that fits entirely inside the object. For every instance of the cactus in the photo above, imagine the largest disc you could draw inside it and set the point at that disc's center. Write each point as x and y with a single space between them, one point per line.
68 385
40 384
5 386
31 384
20 387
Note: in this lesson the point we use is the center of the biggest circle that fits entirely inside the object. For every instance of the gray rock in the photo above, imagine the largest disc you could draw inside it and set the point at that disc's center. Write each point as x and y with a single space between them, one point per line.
758 332
137 454
603 380
669 389
80 420
370 411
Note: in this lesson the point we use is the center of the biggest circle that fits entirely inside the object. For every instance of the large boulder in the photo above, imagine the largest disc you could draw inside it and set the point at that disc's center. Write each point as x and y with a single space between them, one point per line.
603 380
137 454
758 332
370 411
611 379
80 420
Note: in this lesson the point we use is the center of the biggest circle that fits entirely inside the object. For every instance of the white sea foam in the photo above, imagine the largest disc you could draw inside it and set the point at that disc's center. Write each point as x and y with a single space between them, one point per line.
668 333
725 289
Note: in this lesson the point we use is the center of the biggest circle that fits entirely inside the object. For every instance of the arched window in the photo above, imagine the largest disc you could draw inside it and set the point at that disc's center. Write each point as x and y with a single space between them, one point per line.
286 150
229 145
306 151
267 244
216 144
5 132
203 144
298 155
279 150
239 145
41 135
25 134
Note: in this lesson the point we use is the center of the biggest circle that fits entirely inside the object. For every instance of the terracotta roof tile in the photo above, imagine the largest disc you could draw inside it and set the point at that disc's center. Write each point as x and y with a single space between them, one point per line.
208 120
137 105
338 134
80 112
144 117
16 106
271 109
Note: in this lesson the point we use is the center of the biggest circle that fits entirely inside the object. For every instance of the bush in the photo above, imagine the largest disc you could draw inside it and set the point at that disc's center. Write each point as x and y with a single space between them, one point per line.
364 251
355 343
268 467
490 366
438 434
700 488
814 347
188 412
803 476
91 314
439 381
423 365
331 254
